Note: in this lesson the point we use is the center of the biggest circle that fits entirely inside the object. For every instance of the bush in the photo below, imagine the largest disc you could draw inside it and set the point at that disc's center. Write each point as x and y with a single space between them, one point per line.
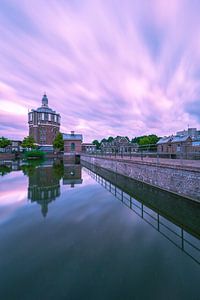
34 154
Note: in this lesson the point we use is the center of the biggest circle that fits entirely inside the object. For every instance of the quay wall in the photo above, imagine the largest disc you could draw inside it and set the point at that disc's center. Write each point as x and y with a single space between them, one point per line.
184 181
4 156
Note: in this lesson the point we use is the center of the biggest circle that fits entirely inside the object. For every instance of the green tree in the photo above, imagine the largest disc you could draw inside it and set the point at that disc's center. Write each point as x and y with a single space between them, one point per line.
97 143
146 142
4 142
58 142
151 139
110 139
28 142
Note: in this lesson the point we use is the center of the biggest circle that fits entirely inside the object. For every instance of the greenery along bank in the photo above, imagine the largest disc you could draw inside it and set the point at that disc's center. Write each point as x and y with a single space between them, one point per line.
34 154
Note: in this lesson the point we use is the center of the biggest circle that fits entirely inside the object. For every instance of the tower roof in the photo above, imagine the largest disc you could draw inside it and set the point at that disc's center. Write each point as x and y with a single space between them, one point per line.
45 100
45 107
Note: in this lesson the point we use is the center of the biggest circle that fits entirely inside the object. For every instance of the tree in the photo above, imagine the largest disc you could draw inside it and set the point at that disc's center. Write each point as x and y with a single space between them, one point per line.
151 139
97 143
28 142
110 139
4 142
58 142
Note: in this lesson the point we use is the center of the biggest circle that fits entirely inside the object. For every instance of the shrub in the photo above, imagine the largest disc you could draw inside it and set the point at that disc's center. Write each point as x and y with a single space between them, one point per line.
34 154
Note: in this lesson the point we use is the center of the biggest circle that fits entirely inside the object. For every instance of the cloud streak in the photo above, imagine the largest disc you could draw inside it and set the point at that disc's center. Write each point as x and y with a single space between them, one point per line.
108 68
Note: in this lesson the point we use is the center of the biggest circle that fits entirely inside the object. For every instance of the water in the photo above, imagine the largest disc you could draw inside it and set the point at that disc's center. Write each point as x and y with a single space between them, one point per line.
68 232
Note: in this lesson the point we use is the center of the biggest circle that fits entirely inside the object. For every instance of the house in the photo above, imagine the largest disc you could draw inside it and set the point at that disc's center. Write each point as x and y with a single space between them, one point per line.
72 143
88 148
16 146
120 144
164 144
181 144
175 144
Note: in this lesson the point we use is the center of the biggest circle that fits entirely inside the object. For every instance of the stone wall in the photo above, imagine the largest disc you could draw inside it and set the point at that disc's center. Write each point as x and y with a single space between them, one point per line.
179 180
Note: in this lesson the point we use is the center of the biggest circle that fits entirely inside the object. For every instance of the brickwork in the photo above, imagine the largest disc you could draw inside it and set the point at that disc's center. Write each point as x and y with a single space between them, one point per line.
72 146
44 123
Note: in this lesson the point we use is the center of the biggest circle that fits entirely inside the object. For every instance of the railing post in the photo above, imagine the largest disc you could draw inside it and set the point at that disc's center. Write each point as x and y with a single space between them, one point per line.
157 158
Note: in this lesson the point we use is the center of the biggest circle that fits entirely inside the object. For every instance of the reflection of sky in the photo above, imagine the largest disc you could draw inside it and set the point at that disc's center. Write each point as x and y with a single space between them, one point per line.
126 69
90 246
13 193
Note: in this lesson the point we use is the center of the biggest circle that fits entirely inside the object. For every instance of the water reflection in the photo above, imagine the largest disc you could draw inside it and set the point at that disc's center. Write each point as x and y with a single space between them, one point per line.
72 175
44 185
183 237
44 181
44 178
175 218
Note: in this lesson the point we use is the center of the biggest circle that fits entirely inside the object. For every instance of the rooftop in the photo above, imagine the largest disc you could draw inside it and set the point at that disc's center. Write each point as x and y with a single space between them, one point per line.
164 140
181 138
44 108
72 136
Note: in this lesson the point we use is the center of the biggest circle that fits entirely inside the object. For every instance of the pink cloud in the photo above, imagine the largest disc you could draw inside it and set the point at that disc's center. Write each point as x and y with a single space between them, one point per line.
108 69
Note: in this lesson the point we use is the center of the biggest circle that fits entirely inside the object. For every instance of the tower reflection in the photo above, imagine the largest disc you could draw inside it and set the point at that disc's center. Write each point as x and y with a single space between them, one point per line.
44 181
44 184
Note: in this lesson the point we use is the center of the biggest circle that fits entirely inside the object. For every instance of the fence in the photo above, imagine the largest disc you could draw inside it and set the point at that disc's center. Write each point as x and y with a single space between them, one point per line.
174 233
149 152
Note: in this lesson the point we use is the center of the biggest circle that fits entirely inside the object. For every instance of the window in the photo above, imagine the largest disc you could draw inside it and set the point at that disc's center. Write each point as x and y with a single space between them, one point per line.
31 117
42 116
72 147
49 117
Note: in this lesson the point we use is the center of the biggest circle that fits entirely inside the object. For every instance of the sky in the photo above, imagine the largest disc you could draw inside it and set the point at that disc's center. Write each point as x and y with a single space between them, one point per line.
109 68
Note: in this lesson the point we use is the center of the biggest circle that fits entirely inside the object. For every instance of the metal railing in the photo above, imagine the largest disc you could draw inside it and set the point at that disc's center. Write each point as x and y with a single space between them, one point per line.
150 153
174 233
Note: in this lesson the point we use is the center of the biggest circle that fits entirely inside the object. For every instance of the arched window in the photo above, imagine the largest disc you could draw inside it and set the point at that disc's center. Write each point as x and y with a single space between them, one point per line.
72 146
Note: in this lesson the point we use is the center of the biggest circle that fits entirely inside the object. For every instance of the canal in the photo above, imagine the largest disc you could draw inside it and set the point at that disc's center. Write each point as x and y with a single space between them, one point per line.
80 232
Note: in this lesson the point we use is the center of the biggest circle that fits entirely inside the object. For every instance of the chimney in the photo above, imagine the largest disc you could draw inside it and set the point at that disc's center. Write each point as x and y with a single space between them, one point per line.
72 132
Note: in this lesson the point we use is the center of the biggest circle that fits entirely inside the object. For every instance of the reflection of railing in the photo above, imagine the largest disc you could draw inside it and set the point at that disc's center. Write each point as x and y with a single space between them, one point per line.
174 233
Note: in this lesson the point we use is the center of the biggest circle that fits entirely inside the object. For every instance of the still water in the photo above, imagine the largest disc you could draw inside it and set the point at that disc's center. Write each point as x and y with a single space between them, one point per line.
76 232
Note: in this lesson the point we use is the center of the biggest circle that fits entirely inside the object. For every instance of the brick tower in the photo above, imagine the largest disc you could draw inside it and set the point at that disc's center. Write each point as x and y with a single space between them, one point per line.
44 123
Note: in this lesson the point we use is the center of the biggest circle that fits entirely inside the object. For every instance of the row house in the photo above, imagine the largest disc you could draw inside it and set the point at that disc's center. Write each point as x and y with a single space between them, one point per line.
119 144
175 145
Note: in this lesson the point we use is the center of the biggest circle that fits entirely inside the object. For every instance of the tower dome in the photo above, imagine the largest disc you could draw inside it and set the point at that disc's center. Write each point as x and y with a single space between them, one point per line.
45 100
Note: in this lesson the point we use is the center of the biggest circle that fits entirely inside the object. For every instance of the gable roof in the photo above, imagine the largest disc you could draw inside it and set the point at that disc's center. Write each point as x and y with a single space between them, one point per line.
180 138
164 140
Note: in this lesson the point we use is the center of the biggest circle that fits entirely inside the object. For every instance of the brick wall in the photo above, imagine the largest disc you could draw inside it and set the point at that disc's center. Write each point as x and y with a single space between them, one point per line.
69 148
